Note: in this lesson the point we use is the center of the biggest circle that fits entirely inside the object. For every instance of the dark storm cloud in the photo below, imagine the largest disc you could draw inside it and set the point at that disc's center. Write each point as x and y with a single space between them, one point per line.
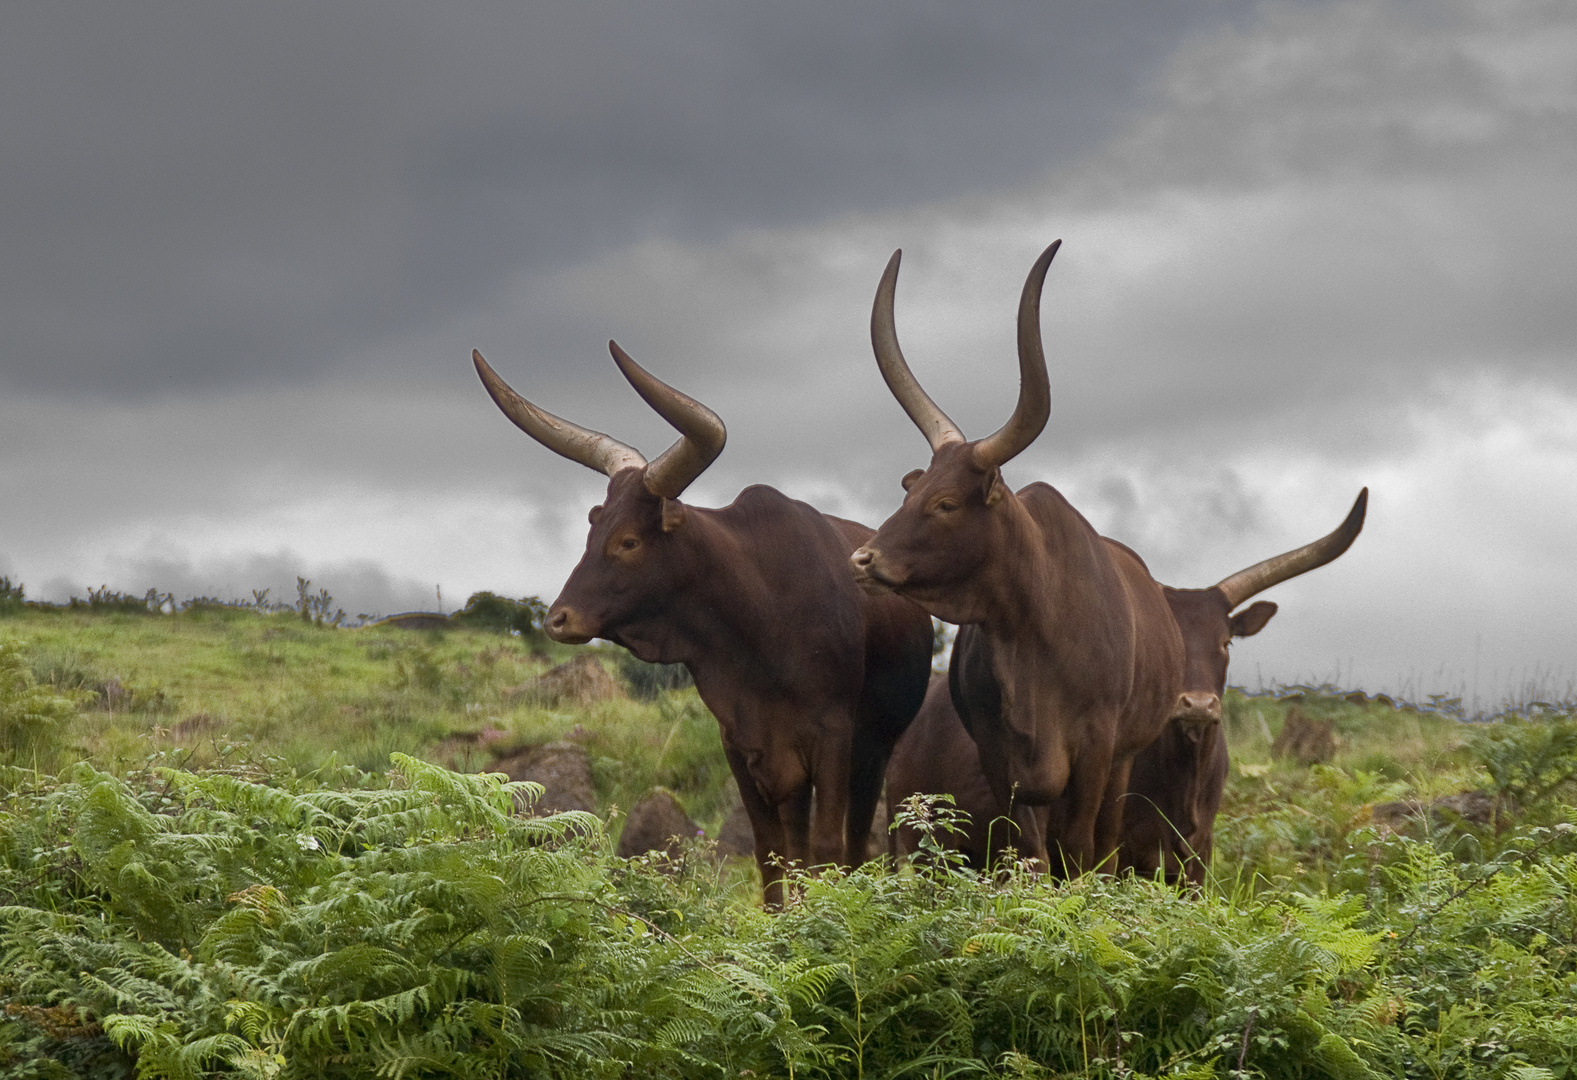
203 195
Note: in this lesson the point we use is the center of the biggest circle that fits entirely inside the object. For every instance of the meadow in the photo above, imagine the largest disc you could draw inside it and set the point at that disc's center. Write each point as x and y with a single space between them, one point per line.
246 841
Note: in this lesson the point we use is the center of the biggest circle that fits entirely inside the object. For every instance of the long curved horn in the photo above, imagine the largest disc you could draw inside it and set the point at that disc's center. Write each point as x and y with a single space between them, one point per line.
1261 576
591 448
1034 388
932 421
701 437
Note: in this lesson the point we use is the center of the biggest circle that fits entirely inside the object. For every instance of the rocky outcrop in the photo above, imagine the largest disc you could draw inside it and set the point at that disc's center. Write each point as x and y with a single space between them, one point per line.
562 768
737 838
657 823
1304 739
580 681
1474 807
416 620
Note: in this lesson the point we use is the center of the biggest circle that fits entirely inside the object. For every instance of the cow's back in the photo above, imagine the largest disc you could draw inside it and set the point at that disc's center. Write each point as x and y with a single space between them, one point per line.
799 603
814 615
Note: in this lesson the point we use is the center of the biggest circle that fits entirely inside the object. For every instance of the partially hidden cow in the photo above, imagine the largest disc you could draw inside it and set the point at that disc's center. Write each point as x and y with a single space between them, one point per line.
1175 786
1077 660
812 681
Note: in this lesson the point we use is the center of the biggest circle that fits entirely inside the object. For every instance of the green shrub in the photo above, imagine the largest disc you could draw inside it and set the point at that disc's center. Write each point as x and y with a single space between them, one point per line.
1532 763
647 681
107 601
489 611
345 925
31 716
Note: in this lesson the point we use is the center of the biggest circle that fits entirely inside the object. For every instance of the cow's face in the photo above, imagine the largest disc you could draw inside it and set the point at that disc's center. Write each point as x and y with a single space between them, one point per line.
940 538
1208 627
628 574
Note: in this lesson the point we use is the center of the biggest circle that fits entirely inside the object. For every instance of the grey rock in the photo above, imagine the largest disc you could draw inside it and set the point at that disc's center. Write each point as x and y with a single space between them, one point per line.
1474 807
736 837
562 768
657 823
1304 739
417 620
582 681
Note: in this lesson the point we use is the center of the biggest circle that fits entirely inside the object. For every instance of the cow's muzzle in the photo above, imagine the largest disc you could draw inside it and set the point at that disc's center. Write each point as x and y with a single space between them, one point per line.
869 573
565 624
1195 707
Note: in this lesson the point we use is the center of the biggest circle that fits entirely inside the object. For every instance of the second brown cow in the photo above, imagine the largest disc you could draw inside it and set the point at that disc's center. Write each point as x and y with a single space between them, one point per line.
1175 785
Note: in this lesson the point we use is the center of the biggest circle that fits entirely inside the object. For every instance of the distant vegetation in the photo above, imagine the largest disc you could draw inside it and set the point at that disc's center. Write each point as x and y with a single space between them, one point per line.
231 843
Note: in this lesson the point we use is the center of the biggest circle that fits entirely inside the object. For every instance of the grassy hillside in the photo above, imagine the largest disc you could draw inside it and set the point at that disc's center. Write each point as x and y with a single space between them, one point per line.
271 691
230 844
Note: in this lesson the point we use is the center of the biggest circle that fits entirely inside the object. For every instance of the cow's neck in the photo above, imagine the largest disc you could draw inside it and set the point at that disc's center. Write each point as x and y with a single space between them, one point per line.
1057 615
711 623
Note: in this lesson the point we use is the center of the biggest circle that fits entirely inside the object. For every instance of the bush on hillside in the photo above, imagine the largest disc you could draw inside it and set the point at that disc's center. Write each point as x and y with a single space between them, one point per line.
647 681
489 611
107 601
1532 764
30 715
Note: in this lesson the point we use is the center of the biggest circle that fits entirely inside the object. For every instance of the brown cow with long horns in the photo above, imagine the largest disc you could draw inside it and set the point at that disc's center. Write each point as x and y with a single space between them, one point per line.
1175 786
811 681
1077 662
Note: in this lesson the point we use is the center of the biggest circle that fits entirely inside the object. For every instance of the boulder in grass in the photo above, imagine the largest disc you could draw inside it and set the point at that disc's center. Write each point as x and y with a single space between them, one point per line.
1305 740
581 681
736 837
1473 807
417 620
1396 817
658 822
193 725
564 771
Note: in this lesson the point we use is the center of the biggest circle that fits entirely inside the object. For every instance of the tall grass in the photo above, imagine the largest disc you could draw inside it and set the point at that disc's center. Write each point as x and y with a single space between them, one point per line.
263 868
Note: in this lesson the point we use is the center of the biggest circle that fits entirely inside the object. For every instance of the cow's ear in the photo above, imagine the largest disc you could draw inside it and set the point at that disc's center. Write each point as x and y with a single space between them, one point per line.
1251 620
910 477
992 486
594 514
673 514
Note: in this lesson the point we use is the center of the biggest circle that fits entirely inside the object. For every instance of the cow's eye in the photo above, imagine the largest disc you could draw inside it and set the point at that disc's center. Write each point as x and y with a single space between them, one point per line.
946 506
630 543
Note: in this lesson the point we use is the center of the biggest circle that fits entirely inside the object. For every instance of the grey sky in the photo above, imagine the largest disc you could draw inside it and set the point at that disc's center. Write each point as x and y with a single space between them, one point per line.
1308 247
211 196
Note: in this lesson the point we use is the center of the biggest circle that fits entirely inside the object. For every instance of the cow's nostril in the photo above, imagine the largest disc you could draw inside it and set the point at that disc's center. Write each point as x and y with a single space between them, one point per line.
557 619
1199 706
862 557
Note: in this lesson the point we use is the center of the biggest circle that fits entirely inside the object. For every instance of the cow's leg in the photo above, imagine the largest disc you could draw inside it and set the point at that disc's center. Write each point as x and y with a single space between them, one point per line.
795 813
1024 828
867 766
832 770
1085 795
1199 858
1109 821
766 826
